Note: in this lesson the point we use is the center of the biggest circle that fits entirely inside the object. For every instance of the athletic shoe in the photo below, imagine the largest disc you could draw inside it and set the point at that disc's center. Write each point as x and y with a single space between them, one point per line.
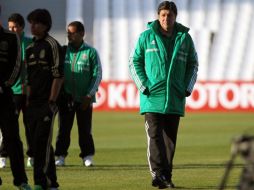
60 161
38 187
30 162
162 183
88 161
24 186
171 184
3 162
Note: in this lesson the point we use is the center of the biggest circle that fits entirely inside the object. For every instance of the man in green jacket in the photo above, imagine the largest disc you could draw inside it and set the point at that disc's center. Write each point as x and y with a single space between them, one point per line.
164 68
16 23
82 76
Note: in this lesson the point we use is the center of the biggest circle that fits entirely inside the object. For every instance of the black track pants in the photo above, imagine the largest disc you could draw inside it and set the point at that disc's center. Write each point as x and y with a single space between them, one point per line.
161 132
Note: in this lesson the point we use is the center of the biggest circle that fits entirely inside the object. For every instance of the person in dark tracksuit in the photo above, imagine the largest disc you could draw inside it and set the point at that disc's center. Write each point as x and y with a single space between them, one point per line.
82 76
164 68
9 70
45 77
16 23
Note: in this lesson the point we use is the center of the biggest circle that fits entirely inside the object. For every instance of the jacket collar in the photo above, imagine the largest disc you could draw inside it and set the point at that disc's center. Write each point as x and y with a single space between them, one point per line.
40 39
83 46
155 26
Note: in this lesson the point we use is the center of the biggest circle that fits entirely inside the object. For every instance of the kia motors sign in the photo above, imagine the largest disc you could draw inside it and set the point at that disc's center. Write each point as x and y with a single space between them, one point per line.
206 96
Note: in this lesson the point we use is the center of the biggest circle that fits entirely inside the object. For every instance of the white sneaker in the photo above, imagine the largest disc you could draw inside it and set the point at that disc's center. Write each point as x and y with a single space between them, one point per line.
2 162
60 161
88 161
30 162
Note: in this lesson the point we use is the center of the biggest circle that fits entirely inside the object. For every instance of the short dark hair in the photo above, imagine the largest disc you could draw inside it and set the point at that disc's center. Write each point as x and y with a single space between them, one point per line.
17 18
79 26
167 5
41 16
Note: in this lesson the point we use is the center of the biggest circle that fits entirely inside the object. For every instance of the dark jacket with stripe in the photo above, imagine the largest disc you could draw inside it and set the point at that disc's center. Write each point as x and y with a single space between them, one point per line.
10 58
44 59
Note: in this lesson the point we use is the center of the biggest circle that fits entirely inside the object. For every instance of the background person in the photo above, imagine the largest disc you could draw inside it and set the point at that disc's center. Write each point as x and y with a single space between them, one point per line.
45 77
164 67
16 23
9 70
83 73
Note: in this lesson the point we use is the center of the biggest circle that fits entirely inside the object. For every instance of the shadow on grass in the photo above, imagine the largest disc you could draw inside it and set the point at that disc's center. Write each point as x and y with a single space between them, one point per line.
145 166
201 166
204 188
108 167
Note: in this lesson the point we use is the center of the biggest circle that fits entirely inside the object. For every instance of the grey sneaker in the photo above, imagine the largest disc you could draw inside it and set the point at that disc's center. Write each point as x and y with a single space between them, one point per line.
3 162
88 161
60 161
30 162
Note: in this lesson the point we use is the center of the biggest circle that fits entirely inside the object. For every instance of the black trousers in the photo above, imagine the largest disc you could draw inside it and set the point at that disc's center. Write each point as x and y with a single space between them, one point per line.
161 132
10 131
67 111
40 120
20 102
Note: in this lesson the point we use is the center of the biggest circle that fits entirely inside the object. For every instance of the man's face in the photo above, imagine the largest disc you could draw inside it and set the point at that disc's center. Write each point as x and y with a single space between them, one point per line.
38 29
167 19
74 37
15 27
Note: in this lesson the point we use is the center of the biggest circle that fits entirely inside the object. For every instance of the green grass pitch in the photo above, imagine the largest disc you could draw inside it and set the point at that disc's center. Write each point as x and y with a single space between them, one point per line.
203 148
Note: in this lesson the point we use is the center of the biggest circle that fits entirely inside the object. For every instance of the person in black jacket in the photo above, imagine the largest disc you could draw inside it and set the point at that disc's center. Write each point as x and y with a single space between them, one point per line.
44 58
9 71
16 23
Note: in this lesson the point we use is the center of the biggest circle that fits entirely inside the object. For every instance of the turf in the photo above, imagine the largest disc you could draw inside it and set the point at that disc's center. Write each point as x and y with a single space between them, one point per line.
203 148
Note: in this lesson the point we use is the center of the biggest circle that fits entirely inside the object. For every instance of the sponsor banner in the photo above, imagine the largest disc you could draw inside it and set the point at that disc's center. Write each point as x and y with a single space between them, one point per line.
206 96
117 95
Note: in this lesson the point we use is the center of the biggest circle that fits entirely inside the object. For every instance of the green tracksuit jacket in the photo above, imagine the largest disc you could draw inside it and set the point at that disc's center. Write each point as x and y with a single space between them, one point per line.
82 72
20 86
164 90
